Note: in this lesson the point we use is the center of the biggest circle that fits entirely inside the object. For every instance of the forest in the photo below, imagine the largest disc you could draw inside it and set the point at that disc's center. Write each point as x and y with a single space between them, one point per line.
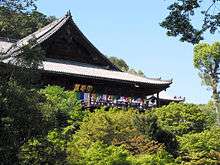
49 126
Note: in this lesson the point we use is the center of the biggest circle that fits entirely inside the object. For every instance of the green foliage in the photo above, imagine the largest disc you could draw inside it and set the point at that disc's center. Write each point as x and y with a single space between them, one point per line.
16 24
61 108
139 72
48 150
182 16
19 5
160 158
207 60
201 148
57 131
62 113
20 119
114 128
206 55
121 64
105 127
184 118
148 126
99 154
138 134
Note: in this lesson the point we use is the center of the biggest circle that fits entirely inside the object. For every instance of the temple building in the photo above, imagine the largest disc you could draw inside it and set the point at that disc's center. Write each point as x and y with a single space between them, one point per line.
73 62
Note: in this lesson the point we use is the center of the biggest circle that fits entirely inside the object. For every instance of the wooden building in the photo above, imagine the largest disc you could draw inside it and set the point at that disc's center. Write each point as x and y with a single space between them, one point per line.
73 62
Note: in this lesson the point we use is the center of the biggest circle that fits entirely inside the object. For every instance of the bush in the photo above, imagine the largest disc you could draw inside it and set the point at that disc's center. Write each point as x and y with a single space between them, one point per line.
148 126
160 158
20 119
99 154
184 118
114 128
62 113
201 148
48 150
61 108
106 127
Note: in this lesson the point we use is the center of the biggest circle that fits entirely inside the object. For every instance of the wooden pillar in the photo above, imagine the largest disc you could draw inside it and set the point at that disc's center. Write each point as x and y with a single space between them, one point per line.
158 100
89 101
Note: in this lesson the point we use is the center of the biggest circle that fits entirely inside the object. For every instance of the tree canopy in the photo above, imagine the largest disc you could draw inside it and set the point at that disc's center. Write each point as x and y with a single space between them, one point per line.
123 66
207 61
20 18
190 19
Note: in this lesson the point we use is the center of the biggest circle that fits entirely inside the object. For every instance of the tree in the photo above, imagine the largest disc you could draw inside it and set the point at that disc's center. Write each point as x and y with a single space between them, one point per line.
207 60
200 148
99 153
20 119
61 108
120 63
19 5
181 119
62 113
182 16
50 149
20 18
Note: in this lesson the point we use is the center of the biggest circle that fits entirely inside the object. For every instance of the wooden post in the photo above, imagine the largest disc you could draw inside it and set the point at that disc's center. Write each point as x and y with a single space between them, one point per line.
89 100
158 100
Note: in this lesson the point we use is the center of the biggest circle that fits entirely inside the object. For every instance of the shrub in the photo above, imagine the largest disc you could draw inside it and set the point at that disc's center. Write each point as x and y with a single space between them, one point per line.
160 158
61 108
48 150
114 128
148 126
105 127
20 119
201 148
99 154
184 118
62 113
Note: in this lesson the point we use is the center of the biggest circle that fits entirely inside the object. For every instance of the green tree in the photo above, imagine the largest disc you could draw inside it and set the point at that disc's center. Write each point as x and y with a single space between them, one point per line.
139 134
160 158
106 127
184 118
207 60
201 148
19 5
50 149
182 15
139 72
19 18
62 113
20 119
99 154
120 63
61 108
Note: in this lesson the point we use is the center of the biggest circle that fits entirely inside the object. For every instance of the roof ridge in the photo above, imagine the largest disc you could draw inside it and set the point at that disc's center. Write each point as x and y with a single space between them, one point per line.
16 45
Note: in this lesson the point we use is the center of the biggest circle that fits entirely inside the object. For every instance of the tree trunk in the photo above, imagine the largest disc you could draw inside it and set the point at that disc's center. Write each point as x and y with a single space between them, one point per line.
215 98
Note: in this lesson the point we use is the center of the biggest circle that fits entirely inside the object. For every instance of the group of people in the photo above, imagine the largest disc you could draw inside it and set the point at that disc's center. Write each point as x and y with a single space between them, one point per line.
97 100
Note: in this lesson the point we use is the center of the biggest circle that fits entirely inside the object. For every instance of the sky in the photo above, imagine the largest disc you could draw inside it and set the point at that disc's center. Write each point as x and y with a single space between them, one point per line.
130 30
